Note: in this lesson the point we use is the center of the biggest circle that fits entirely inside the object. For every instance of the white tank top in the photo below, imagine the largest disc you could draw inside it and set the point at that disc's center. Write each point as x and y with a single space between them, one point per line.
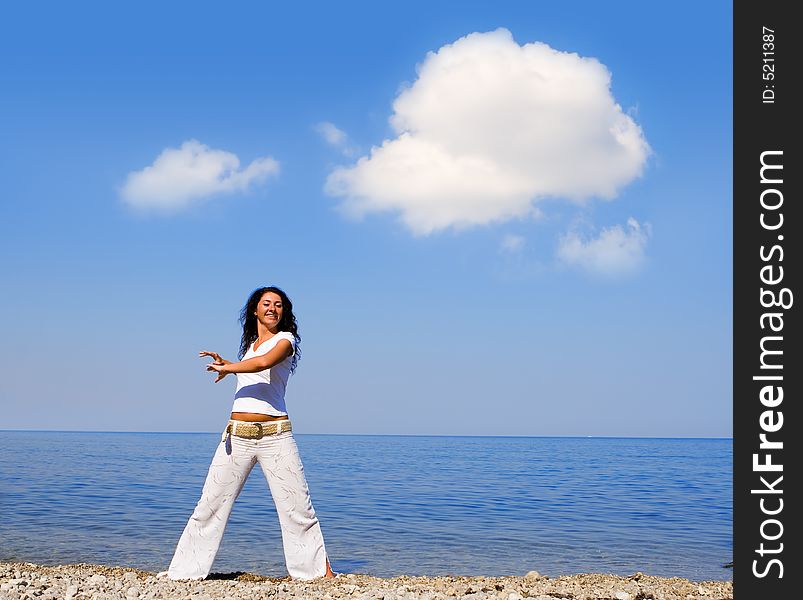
263 392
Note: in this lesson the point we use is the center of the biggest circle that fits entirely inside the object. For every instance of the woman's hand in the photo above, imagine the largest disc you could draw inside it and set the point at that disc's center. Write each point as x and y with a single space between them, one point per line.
218 367
215 356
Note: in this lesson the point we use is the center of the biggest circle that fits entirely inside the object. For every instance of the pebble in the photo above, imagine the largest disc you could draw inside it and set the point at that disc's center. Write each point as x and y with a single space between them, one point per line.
20 581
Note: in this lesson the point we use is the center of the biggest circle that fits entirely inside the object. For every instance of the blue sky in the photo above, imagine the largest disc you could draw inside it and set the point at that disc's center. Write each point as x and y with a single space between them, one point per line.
469 248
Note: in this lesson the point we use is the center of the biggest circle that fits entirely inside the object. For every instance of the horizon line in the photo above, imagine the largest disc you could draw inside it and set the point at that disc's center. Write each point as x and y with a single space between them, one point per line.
635 437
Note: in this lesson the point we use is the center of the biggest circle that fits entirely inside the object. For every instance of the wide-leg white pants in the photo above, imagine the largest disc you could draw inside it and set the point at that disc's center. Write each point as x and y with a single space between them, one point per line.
278 456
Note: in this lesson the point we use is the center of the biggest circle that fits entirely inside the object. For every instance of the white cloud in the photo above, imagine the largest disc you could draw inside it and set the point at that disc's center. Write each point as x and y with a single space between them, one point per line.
180 176
488 128
335 137
512 243
616 251
330 132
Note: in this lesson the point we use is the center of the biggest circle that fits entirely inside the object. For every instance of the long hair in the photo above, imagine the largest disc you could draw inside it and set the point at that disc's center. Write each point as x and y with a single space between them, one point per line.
249 322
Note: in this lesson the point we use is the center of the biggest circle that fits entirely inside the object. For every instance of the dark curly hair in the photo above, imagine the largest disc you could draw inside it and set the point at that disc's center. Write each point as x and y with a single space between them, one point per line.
249 322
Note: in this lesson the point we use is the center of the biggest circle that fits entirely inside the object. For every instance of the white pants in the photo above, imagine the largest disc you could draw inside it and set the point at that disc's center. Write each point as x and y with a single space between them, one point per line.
278 456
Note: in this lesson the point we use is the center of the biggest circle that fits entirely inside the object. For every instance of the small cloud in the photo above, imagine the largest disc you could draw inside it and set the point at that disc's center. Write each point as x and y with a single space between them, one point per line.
616 251
334 137
331 133
488 129
180 176
512 244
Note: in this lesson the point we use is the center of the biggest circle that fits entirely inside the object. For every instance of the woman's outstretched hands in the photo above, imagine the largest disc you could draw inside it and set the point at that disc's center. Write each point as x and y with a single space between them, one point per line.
217 364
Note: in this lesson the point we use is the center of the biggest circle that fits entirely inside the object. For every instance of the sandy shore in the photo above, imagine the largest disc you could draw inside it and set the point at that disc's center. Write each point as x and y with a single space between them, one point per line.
25 581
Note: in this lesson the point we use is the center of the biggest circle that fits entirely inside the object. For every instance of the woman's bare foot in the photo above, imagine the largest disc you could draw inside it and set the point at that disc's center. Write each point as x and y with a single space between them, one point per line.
329 572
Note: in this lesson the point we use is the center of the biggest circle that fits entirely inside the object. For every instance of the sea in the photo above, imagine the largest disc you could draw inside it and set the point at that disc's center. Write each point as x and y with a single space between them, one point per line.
388 505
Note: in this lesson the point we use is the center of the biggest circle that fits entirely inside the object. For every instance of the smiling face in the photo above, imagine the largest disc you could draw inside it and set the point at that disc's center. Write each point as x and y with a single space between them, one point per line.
269 311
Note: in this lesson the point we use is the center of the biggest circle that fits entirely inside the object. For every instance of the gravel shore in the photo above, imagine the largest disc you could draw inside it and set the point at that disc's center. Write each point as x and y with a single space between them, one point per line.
24 581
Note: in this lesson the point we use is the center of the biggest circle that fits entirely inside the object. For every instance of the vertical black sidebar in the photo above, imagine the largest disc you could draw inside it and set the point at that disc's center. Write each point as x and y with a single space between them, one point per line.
767 369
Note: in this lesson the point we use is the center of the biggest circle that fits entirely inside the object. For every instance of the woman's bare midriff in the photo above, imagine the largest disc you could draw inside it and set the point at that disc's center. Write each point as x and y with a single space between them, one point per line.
256 417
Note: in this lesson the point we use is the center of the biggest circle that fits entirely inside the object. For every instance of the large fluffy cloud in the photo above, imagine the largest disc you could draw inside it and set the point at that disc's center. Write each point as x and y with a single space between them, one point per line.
616 251
488 128
194 171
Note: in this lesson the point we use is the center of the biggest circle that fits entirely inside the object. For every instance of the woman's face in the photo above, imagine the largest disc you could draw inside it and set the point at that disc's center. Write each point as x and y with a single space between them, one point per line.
269 310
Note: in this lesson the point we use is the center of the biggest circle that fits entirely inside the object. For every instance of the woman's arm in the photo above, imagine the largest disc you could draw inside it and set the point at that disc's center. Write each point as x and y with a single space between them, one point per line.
272 357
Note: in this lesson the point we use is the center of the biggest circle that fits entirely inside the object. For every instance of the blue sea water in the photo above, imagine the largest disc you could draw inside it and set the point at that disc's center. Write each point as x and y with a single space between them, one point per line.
388 505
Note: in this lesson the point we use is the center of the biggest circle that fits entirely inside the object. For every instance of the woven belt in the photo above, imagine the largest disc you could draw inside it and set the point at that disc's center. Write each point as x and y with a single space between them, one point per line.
257 430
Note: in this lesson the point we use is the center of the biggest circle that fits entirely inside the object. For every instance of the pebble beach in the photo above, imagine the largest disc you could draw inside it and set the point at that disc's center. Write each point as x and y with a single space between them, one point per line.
27 581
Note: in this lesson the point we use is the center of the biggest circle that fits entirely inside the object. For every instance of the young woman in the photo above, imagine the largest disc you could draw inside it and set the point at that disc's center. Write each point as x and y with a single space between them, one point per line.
259 432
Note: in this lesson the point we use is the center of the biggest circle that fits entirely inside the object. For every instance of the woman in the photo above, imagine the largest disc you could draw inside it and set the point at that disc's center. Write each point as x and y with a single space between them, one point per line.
259 432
